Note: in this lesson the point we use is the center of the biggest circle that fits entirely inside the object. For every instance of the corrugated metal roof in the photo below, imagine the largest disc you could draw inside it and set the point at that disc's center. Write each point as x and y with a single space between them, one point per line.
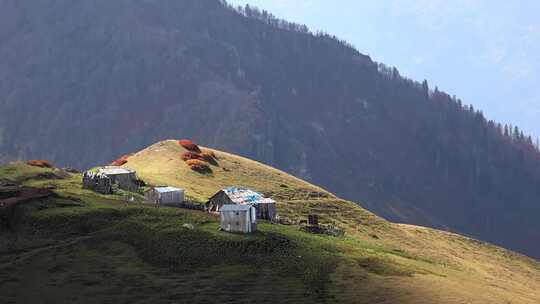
244 196
168 189
234 207
115 170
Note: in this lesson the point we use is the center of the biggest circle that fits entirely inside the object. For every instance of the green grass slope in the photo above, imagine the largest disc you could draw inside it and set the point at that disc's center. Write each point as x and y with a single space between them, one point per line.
161 164
83 247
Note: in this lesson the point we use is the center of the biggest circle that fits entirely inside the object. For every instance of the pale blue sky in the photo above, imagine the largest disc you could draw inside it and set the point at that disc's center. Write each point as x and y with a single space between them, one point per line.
486 52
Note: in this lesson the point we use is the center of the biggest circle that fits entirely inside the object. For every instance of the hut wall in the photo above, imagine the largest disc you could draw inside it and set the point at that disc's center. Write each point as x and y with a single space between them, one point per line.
151 196
97 182
217 201
125 181
173 197
253 219
266 211
237 221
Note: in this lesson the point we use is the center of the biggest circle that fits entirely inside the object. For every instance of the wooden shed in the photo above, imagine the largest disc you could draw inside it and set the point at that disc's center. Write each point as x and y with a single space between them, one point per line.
265 207
238 218
165 195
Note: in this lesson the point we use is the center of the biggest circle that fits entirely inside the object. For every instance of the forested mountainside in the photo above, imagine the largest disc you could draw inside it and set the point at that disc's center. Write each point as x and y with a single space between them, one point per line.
82 82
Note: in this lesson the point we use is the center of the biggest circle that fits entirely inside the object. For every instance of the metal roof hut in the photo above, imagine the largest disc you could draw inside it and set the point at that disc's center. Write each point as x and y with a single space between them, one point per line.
165 195
265 207
238 218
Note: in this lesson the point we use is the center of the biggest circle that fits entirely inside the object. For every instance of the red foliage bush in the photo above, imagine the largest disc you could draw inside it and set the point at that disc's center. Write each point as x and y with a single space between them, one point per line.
39 163
198 165
121 161
189 145
190 155
195 162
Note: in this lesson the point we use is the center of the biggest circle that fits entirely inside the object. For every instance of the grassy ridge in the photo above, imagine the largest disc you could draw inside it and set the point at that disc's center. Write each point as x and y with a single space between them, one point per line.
55 233
85 247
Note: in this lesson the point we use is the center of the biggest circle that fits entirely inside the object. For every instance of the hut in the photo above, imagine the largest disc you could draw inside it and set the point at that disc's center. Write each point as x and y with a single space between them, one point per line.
102 179
265 207
165 195
238 218
125 178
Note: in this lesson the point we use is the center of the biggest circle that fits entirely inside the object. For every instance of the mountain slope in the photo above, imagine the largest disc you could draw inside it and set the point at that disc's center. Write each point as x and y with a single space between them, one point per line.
161 164
82 82
89 248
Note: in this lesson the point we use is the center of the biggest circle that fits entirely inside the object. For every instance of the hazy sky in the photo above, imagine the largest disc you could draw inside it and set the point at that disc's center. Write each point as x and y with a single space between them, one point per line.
486 52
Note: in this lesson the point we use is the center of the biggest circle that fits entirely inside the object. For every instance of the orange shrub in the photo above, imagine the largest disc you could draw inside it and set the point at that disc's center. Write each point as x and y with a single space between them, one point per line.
189 145
39 163
198 165
121 161
195 162
190 155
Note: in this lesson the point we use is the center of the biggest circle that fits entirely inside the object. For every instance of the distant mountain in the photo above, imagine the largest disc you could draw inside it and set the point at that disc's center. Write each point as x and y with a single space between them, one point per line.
82 82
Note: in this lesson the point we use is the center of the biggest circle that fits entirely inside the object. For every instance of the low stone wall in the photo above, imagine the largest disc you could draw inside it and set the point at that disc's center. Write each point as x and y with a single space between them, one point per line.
97 182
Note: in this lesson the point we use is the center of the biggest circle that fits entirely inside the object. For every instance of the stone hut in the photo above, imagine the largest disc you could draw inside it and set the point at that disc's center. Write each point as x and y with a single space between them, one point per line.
102 179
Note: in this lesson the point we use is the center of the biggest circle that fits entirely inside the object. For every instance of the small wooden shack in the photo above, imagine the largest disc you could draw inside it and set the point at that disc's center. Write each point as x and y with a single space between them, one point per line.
165 195
238 218
265 207
102 179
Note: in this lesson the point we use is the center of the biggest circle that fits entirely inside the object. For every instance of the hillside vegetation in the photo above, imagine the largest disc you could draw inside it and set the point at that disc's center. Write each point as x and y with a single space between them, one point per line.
82 82
80 246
